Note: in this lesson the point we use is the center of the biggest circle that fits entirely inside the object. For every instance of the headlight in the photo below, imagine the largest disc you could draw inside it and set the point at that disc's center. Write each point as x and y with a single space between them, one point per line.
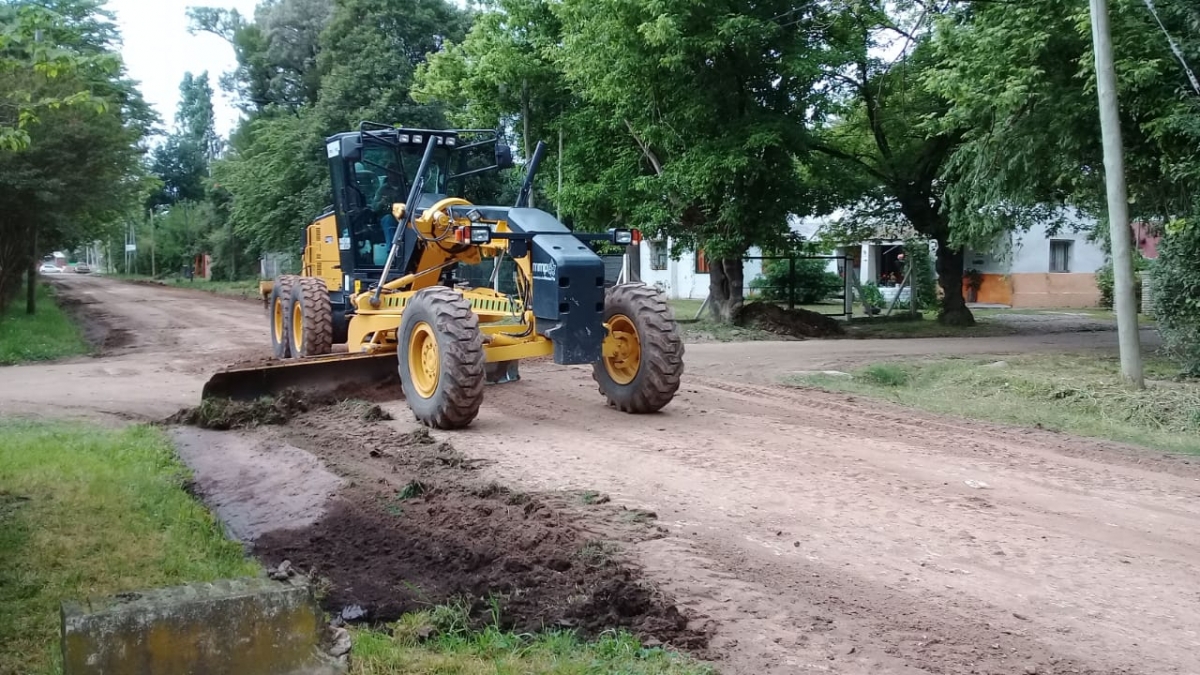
622 237
417 138
481 234
403 138
451 141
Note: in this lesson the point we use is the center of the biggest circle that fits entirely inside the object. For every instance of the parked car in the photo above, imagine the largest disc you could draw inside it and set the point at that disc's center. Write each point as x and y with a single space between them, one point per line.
82 268
49 268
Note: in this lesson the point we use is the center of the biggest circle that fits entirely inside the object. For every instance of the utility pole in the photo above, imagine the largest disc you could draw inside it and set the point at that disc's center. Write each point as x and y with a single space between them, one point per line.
1118 204
153 247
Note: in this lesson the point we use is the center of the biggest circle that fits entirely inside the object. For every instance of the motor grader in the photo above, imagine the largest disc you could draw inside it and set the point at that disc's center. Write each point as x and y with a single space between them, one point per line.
379 294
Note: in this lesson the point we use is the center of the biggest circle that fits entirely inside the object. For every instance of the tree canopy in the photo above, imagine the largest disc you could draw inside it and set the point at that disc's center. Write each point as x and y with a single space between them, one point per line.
73 124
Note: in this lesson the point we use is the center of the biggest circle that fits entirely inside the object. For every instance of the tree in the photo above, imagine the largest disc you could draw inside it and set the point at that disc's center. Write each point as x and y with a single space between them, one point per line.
1020 79
32 58
887 143
78 168
194 118
1176 282
275 173
706 97
276 52
370 52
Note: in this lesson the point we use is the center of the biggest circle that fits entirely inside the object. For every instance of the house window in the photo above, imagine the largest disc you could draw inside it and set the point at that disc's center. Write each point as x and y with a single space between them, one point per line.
1060 255
701 263
658 255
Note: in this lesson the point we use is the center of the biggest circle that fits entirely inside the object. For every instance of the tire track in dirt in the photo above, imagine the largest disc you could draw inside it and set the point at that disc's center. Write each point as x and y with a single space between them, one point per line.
1082 541
819 533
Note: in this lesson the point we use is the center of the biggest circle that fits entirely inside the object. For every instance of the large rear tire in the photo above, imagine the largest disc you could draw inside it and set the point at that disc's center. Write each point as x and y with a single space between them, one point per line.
641 374
440 353
279 316
311 317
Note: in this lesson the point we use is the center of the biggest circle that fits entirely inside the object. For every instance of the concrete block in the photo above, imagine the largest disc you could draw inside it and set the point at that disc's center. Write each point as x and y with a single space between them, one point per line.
250 626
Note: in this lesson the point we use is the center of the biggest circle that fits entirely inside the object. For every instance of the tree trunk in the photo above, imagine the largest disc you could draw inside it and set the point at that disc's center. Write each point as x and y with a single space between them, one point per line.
725 292
31 279
525 126
950 274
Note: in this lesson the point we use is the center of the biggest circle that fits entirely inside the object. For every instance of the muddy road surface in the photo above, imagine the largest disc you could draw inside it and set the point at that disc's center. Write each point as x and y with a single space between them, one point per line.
806 532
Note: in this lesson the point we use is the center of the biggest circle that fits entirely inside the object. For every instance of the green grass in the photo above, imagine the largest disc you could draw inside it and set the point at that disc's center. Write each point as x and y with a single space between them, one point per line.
89 511
48 334
1076 393
439 641
237 289
893 327
246 288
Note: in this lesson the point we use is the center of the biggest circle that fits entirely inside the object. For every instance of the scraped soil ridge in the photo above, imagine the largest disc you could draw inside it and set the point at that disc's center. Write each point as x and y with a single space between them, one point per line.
415 526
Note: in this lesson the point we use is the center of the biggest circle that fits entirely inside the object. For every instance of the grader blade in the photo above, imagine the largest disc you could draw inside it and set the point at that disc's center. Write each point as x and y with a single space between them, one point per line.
321 375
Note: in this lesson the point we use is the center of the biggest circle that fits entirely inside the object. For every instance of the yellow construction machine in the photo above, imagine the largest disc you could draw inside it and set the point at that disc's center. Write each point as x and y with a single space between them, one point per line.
380 277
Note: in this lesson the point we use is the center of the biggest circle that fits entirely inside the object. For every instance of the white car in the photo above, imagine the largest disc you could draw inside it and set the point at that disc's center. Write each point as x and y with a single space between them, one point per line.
49 268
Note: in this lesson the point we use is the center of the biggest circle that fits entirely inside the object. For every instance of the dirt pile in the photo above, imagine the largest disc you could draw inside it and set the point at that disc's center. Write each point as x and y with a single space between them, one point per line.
797 323
417 527
221 414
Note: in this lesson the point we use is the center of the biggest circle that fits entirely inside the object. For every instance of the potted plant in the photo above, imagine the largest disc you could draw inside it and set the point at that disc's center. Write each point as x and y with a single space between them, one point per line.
974 282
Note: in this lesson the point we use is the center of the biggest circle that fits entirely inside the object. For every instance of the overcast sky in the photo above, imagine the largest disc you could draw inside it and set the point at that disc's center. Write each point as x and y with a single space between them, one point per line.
158 50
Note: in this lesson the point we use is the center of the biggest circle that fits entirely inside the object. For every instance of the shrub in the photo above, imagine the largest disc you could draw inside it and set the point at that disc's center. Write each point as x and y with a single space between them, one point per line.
924 281
872 295
1104 279
812 283
885 375
1176 282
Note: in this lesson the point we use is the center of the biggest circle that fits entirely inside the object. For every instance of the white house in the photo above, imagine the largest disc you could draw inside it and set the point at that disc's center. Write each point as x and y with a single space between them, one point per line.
687 277
1036 268
1039 268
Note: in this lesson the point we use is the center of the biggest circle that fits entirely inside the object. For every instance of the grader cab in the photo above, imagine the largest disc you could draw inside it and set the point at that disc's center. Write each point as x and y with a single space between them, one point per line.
379 294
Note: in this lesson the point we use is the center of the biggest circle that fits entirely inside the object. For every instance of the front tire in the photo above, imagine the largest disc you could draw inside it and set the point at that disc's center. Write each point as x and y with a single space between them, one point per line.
644 361
440 353
311 318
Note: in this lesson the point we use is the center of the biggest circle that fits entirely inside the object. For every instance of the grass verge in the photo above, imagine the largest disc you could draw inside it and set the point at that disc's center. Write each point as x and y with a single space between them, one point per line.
247 288
897 327
1075 393
89 511
440 641
48 334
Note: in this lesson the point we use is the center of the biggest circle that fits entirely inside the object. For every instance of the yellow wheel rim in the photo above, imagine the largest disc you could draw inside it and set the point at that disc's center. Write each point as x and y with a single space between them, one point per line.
626 358
297 329
277 320
424 361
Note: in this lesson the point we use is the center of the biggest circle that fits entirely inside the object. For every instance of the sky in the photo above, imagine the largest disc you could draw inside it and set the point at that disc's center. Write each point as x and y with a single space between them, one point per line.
158 50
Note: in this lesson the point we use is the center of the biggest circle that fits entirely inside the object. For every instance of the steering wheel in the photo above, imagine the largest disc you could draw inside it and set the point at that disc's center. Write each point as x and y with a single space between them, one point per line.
439 214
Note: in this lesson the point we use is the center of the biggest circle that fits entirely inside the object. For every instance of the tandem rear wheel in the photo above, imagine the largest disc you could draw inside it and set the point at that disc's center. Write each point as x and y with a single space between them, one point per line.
643 352
301 317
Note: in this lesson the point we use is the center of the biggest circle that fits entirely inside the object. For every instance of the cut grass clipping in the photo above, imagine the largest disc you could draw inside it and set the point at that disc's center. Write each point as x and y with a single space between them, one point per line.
86 511
1079 394
48 334
440 641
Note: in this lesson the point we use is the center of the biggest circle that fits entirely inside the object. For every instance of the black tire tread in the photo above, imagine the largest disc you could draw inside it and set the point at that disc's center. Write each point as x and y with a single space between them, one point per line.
662 349
281 291
459 395
313 297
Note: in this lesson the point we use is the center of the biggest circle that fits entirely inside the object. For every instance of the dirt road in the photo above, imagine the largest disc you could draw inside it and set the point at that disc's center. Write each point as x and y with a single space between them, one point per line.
814 532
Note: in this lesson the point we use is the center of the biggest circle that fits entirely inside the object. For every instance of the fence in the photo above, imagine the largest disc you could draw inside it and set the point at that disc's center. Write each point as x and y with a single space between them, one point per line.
804 281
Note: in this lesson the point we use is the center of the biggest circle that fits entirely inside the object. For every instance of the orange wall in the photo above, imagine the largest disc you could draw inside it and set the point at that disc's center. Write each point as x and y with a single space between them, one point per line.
996 290
1045 290
1055 290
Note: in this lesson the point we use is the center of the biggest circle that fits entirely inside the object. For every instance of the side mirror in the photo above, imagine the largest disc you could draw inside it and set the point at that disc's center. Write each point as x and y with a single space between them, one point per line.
504 156
351 149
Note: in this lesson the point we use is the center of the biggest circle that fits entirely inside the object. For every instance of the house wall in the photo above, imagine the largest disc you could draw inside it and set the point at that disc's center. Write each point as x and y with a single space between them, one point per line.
1021 277
681 281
